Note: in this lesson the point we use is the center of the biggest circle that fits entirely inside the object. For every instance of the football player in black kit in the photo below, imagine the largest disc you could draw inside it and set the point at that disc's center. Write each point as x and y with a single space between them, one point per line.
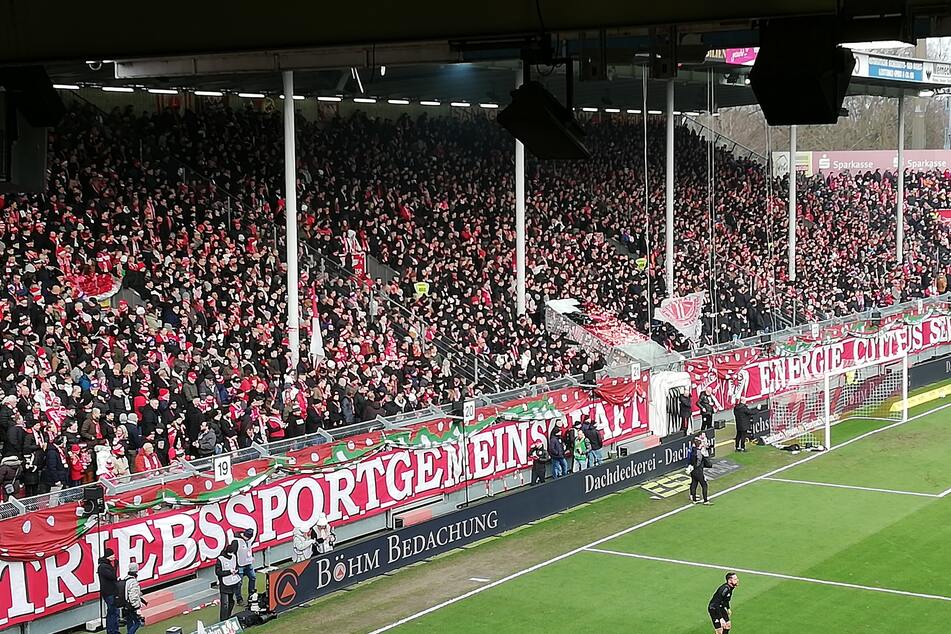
719 607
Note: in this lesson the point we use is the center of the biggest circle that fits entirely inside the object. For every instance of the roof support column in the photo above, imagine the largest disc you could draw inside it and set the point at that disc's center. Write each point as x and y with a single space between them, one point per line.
519 213
290 213
792 203
900 198
669 257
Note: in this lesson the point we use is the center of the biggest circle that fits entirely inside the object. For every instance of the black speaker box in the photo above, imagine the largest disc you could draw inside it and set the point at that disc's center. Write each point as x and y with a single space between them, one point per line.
546 127
799 83
32 93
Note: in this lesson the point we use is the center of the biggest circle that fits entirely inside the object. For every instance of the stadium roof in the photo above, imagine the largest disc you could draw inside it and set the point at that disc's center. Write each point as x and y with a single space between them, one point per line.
50 30
433 49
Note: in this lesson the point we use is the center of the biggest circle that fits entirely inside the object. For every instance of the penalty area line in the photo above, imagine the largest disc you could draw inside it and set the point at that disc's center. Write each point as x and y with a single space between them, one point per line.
775 575
679 509
854 487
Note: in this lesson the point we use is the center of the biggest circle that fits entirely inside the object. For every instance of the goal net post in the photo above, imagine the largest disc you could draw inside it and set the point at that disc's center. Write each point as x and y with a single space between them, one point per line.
873 391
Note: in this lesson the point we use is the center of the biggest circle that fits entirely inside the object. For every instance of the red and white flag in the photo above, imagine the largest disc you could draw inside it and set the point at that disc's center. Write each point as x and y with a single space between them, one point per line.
683 313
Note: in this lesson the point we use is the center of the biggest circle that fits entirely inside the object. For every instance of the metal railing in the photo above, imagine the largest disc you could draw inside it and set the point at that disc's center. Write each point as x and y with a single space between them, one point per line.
722 141
476 369
379 270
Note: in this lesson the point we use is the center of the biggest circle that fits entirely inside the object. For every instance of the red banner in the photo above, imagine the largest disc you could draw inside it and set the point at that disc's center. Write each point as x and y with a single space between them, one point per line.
174 543
747 373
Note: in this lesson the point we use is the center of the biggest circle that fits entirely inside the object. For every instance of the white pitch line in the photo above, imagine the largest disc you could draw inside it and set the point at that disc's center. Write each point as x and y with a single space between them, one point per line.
775 575
857 488
944 493
598 542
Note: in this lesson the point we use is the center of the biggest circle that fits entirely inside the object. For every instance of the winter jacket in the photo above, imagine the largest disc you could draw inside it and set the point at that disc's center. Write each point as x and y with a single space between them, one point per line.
580 450
555 447
15 439
55 471
189 392
245 552
108 580
593 436
206 443
145 462
538 453
697 462
742 415
89 432
684 406
135 436
133 593
149 420
76 466
303 544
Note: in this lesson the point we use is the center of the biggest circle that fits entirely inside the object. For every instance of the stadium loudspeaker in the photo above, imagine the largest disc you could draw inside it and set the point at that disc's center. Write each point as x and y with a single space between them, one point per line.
875 318
93 500
28 105
397 523
546 127
797 84
32 93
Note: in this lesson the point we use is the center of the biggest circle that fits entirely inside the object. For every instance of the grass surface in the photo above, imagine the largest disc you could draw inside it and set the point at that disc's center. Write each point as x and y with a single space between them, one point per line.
852 536
884 541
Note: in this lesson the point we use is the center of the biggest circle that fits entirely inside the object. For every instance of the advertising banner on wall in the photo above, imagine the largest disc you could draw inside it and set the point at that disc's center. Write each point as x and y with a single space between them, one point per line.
889 68
48 557
860 161
929 372
746 372
301 582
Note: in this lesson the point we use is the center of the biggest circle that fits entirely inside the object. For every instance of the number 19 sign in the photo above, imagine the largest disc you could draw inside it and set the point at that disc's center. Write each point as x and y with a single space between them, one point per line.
223 468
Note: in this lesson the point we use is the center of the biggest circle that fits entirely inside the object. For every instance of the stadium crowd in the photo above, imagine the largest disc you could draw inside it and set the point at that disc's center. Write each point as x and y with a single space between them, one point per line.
189 357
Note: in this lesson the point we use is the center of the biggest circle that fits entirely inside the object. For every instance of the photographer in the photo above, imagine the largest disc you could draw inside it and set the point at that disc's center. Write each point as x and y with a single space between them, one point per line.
245 556
303 543
324 536
226 569
133 600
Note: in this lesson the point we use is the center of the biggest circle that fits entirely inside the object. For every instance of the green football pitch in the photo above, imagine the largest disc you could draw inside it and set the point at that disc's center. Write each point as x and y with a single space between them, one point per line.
854 540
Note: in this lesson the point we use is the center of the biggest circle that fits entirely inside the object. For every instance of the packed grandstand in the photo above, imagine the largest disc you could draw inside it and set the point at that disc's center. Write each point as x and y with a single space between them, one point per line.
179 224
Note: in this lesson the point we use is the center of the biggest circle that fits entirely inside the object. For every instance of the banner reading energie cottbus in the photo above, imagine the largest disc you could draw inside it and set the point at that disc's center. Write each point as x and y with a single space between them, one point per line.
48 558
746 372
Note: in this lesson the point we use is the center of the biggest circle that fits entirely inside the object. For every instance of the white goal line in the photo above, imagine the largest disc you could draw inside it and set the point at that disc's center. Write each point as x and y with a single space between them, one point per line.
775 575
630 529
856 488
